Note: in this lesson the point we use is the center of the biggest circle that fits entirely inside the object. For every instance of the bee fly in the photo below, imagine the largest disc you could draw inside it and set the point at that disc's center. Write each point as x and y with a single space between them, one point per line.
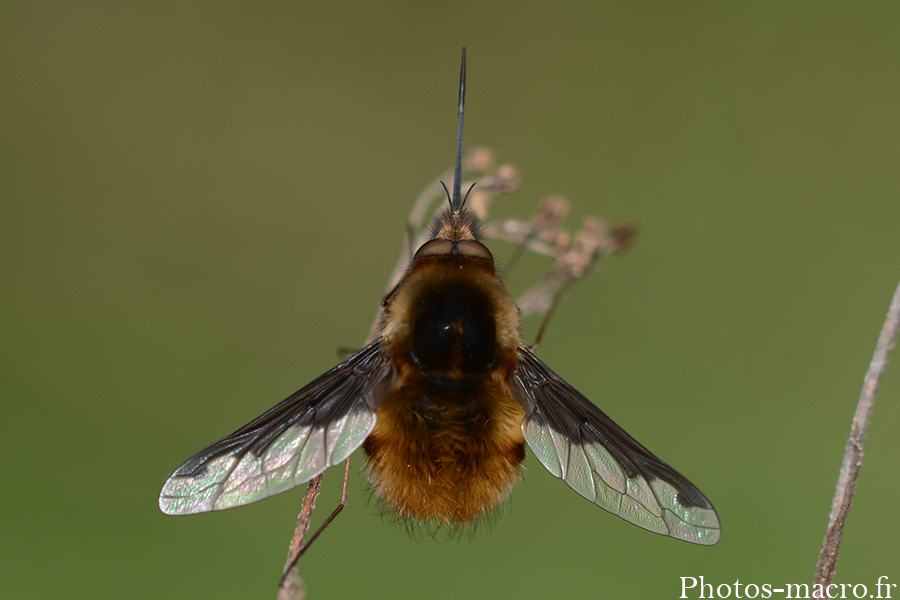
443 403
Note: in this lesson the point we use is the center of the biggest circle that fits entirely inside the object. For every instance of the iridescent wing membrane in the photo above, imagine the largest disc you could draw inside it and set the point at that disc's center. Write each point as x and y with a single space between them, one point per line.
318 426
578 443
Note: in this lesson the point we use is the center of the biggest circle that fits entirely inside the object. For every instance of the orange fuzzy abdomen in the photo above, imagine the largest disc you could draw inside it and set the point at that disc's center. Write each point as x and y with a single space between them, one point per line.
447 460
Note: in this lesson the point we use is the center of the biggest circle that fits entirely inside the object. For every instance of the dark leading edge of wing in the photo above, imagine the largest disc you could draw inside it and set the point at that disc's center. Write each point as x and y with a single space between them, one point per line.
316 427
579 444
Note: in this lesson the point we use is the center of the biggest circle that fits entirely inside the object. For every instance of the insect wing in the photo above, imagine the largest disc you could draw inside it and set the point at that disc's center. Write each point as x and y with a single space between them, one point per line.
316 427
578 443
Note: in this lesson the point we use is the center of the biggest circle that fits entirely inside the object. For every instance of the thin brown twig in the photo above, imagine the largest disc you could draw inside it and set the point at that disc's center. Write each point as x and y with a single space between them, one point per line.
853 454
544 234
291 585
495 181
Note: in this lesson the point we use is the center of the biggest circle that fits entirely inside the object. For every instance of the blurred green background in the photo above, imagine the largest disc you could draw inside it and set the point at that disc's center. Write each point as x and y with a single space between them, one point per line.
199 202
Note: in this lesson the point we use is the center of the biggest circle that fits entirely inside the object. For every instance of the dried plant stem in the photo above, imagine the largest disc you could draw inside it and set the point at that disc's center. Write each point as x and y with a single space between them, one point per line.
853 454
309 505
291 585
574 256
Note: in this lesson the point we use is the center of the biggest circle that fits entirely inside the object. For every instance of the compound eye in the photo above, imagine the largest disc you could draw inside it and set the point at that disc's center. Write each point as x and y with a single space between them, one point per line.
435 248
475 249
458 248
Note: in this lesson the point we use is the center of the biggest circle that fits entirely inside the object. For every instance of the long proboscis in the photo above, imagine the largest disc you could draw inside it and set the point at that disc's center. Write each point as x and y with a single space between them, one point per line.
456 201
